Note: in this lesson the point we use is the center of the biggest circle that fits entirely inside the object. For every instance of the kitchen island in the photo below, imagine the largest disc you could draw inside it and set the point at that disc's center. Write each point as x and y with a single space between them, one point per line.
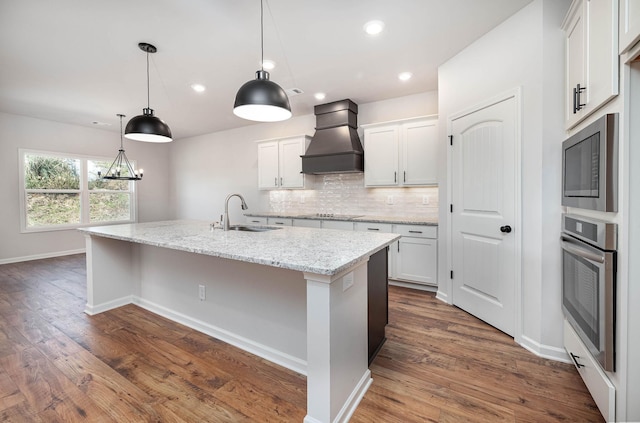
294 296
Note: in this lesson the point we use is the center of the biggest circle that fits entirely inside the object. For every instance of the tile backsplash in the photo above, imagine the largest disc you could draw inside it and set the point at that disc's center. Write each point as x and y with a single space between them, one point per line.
345 193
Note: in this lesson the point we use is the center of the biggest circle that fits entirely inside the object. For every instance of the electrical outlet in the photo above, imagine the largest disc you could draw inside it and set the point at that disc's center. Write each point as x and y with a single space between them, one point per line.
389 199
425 199
302 199
202 293
347 281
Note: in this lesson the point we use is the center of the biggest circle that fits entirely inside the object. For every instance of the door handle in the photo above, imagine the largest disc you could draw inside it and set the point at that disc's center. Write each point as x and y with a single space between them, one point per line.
575 357
505 229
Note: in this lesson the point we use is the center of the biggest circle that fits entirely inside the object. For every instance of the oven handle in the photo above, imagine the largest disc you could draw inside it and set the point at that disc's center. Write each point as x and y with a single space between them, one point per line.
573 246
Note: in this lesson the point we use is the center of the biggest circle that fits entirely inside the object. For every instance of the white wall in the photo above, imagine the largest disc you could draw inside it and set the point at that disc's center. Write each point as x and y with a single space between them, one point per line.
525 51
207 168
30 133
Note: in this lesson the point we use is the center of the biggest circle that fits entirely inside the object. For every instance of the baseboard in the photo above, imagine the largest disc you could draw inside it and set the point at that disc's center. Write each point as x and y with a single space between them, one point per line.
42 256
418 286
350 405
442 297
545 351
268 353
110 305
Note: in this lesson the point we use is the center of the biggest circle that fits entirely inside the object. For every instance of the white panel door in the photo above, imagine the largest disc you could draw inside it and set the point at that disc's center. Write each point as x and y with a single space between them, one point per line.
420 153
483 190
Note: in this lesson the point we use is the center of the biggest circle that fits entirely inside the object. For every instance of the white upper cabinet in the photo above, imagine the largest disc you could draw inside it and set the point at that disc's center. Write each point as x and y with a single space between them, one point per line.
280 164
591 30
629 24
401 153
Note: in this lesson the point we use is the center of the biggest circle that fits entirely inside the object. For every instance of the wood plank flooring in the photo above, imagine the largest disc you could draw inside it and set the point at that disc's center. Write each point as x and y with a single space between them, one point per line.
128 365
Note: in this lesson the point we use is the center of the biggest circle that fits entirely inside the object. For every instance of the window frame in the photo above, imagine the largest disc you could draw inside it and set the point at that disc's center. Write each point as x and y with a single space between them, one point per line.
84 192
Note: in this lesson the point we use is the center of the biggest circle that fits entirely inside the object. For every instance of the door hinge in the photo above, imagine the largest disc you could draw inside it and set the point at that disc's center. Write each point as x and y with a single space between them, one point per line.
451 274
450 139
450 208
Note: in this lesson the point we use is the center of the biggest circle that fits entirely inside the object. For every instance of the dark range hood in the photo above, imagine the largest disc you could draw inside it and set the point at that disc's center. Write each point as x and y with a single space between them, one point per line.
335 147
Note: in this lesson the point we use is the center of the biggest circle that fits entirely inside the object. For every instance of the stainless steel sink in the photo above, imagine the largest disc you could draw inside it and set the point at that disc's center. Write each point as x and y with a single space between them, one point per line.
252 228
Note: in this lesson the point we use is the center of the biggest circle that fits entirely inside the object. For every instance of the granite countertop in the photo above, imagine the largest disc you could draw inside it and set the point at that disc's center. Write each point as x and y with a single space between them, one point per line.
399 220
305 249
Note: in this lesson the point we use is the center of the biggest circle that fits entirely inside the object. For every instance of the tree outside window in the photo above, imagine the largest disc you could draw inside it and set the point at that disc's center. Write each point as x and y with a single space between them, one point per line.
63 191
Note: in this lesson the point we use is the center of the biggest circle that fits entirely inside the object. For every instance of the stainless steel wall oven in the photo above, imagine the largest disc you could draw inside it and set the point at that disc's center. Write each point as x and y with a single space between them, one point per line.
589 283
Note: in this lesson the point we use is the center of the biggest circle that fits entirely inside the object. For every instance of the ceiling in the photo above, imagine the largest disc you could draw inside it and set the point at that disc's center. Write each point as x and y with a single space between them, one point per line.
77 61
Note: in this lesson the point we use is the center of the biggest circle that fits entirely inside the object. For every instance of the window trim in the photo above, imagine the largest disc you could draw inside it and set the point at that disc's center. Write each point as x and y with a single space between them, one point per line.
83 193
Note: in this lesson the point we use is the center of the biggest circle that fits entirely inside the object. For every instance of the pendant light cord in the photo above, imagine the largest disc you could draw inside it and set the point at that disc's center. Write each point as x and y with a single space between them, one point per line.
148 102
261 35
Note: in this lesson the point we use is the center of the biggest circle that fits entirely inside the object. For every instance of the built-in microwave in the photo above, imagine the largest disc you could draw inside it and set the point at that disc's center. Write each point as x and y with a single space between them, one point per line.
590 166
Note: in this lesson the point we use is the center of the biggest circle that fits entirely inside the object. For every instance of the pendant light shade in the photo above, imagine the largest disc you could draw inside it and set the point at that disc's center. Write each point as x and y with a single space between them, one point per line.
121 169
261 99
147 127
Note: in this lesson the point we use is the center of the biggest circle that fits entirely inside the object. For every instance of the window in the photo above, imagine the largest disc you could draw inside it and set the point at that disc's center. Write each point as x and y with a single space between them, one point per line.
63 191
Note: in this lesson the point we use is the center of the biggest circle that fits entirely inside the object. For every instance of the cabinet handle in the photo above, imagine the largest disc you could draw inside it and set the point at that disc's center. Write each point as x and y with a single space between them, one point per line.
575 100
281 181
398 242
574 357
279 223
275 181
405 176
578 91
373 229
415 232
395 177
255 221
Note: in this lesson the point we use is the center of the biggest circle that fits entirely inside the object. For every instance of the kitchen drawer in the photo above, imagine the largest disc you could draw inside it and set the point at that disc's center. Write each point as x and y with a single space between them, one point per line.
307 223
256 220
373 227
280 221
418 231
337 224
599 385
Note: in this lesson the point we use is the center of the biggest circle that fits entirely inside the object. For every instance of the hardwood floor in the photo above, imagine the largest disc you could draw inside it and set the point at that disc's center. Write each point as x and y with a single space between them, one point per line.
128 365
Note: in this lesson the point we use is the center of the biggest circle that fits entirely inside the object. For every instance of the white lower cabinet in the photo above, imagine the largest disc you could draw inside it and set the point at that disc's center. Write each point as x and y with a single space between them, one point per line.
599 385
415 256
257 220
337 224
307 223
279 221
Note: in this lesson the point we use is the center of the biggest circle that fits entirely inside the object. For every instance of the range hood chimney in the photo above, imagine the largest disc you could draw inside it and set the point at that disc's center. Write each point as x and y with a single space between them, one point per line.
335 147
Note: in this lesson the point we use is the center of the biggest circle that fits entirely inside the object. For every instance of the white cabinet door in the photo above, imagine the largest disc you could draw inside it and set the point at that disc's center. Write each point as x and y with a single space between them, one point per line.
268 165
381 156
280 221
602 52
591 30
290 151
337 224
420 153
307 223
416 260
401 153
629 24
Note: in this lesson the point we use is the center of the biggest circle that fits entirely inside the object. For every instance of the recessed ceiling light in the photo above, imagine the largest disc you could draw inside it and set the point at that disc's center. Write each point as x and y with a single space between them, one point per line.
320 96
374 27
268 64
199 88
405 76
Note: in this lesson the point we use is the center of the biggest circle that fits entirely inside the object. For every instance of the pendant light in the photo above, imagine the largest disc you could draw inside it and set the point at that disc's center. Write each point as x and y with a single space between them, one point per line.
147 127
260 99
121 168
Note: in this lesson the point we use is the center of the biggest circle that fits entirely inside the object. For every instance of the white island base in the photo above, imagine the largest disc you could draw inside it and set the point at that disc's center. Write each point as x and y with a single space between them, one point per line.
312 323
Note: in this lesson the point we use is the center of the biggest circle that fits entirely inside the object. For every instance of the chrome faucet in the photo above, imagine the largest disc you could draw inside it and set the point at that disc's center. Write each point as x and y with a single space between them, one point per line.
225 220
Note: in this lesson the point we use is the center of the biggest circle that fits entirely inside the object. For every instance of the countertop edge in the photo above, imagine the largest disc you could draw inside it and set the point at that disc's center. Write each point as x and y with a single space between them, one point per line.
398 220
